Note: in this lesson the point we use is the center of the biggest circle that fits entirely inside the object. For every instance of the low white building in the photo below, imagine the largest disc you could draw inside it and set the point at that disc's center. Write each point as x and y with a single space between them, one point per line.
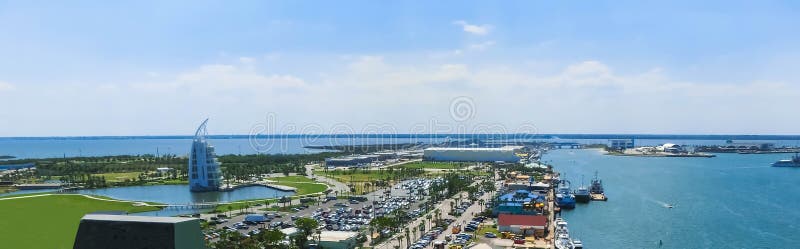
337 239
502 154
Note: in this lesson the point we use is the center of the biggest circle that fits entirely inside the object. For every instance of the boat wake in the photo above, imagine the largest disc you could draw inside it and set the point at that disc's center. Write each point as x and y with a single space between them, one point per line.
663 204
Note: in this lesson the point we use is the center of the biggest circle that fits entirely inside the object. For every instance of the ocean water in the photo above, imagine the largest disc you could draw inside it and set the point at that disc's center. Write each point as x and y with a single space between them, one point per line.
50 147
729 201
112 146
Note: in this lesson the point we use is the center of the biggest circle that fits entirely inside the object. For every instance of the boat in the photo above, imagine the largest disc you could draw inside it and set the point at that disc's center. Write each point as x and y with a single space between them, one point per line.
582 194
596 189
794 162
564 197
566 201
563 240
577 244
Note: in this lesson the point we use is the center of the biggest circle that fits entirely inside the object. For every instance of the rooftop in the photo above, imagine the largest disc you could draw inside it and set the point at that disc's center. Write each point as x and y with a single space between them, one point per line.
521 220
337 235
133 218
470 149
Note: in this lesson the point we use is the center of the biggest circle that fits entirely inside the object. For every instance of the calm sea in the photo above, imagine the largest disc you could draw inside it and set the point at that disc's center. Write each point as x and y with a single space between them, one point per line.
109 146
729 201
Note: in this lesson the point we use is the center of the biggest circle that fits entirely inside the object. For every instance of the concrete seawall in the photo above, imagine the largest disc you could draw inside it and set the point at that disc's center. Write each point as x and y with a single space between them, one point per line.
268 185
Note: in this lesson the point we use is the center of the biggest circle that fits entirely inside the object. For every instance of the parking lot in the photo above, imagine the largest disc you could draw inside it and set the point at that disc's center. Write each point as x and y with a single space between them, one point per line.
335 214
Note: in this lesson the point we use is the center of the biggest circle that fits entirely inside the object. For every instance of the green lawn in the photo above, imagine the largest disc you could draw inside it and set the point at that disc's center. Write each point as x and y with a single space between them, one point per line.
120 176
50 221
291 179
305 188
347 176
434 165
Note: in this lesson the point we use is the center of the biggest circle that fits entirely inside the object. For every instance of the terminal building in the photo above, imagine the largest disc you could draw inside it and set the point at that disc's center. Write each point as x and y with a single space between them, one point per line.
506 154
204 171
621 144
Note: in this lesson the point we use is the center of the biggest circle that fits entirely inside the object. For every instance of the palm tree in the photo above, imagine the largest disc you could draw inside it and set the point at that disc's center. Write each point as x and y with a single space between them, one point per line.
438 215
481 202
408 238
452 206
429 217
400 240
371 233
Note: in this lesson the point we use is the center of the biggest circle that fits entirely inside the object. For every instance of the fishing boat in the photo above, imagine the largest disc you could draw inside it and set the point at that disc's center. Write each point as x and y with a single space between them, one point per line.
794 162
582 194
596 189
564 197
566 201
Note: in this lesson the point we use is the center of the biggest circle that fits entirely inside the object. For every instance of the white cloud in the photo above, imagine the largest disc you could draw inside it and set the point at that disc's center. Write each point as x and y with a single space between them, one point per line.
403 90
5 86
474 29
481 46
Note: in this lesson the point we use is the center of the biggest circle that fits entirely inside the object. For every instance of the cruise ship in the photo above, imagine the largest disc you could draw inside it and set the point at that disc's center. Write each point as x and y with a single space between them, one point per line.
794 162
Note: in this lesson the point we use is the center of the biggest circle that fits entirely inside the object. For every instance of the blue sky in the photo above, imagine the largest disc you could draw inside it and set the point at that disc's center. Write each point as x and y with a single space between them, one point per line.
160 67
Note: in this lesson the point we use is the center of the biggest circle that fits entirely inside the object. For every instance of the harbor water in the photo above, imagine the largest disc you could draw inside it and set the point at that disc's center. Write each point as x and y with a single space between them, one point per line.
729 201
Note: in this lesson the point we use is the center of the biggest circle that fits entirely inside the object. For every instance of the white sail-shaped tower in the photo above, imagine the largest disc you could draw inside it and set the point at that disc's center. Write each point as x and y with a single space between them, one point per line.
204 171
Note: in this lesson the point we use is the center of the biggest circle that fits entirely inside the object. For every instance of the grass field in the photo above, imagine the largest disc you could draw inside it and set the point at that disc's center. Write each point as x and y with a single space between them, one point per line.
290 179
434 165
305 188
50 221
120 177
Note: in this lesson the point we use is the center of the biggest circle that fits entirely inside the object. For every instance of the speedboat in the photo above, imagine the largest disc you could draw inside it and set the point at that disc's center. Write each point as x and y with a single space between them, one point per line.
577 244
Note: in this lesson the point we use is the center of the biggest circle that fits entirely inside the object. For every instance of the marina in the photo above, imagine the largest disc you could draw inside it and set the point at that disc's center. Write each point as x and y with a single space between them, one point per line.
668 201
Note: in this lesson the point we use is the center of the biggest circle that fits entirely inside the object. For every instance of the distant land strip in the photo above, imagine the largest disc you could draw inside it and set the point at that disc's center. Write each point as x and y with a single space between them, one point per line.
451 136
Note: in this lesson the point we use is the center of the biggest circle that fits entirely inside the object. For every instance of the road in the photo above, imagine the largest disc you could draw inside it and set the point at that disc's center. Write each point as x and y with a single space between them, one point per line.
444 206
337 186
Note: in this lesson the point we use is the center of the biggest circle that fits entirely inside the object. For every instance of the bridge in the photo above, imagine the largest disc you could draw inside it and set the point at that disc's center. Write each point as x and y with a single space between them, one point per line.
561 145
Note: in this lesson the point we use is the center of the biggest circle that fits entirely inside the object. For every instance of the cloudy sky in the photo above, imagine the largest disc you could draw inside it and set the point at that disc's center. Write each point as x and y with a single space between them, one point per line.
159 68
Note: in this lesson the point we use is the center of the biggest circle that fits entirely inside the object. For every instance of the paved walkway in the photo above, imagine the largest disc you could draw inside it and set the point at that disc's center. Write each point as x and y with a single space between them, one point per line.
334 184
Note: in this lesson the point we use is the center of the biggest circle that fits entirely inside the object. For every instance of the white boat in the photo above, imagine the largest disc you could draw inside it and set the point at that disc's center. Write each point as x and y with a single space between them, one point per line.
562 235
577 244
794 162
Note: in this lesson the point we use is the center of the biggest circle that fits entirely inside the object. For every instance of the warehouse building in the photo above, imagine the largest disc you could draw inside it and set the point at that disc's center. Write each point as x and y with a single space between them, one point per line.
98 231
522 224
502 154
